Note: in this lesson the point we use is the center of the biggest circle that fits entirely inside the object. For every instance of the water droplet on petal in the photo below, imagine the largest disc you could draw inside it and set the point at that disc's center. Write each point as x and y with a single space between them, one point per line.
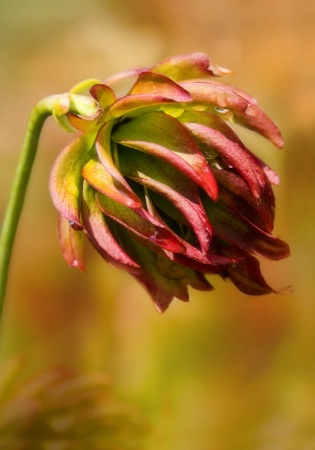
173 111
221 110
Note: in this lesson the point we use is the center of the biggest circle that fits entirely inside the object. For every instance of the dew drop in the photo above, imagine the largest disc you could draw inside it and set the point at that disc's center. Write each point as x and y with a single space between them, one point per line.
221 110
173 111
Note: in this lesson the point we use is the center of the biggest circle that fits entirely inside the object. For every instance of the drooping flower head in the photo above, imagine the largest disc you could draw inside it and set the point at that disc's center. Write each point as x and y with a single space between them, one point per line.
161 185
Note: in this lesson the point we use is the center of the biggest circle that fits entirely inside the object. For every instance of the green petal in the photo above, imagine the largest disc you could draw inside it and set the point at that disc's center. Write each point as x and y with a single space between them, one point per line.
84 86
66 177
136 104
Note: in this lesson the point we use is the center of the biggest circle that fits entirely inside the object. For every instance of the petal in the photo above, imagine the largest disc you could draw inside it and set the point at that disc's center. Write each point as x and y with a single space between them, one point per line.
83 124
235 229
126 74
233 154
98 177
237 195
164 137
231 105
162 278
66 179
100 234
179 191
156 84
103 94
132 105
114 185
189 66
71 243
84 86
246 275
141 223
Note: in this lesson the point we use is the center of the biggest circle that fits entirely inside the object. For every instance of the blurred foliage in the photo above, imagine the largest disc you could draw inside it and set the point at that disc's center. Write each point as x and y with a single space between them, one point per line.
235 372
58 409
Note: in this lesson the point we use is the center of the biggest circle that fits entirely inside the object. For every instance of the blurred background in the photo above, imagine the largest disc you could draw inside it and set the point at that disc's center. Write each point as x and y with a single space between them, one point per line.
223 371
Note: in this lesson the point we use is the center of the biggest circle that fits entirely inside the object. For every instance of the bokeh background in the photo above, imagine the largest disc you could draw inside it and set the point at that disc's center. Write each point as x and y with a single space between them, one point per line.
224 371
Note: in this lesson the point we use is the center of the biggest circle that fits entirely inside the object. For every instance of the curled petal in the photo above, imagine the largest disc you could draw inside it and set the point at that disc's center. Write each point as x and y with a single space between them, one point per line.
66 179
235 229
237 195
141 223
162 278
103 94
71 244
233 154
84 124
230 105
124 75
100 235
84 86
246 275
133 105
113 183
164 137
156 84
161 178
189 66
98 177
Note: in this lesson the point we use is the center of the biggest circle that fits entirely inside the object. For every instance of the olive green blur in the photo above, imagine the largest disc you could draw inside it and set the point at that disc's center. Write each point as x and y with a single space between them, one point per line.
225 371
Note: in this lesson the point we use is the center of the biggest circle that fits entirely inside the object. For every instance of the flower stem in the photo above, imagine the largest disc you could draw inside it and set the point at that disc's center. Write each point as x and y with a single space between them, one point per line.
41 111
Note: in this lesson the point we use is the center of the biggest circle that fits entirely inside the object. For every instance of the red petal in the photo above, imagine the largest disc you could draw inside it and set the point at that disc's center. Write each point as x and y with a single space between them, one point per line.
162 278
232 153
246 275
189 66
100 235
71 243
230 104
164 137
141 223
161 178
235 229
156 84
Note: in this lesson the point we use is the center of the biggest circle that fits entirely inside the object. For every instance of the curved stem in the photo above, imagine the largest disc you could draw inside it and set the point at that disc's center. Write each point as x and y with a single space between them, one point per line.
41 111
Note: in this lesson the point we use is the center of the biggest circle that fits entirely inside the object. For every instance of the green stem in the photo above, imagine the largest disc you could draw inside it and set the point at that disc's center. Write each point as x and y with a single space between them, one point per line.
41 111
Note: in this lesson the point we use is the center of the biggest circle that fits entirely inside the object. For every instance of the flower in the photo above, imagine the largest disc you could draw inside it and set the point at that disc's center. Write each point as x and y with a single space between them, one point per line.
161 185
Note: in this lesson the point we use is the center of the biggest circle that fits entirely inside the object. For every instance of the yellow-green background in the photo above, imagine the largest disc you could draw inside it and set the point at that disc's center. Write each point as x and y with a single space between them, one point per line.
224 371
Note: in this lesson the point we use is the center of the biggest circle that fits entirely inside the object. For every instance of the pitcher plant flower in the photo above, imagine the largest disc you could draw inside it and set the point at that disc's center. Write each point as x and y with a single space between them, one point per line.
160 183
